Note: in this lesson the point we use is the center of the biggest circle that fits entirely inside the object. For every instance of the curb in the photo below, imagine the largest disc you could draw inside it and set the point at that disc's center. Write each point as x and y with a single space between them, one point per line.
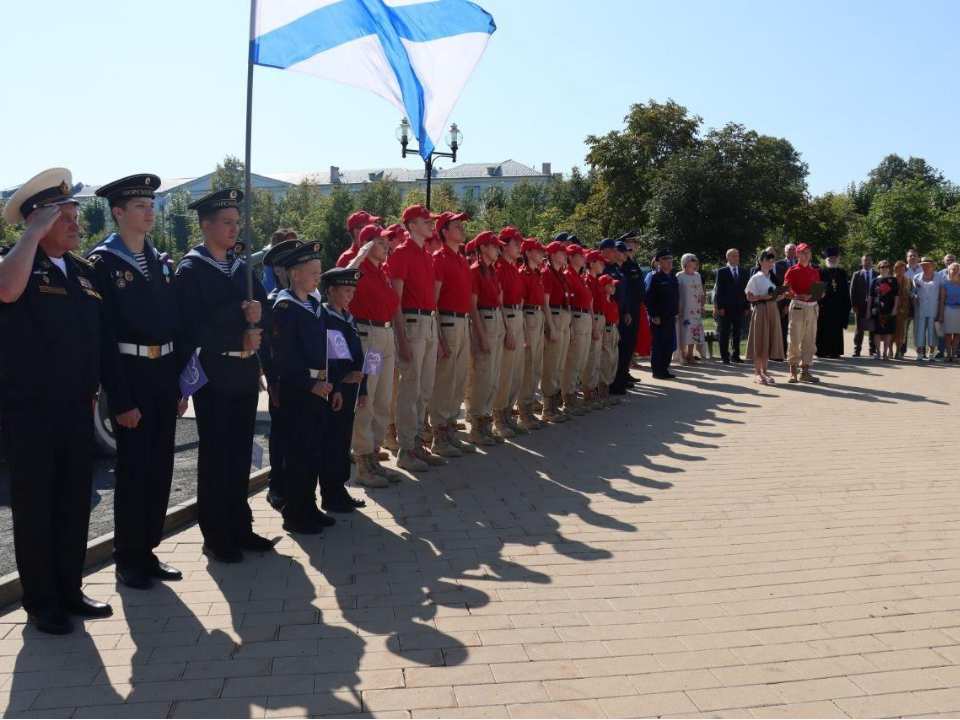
100 549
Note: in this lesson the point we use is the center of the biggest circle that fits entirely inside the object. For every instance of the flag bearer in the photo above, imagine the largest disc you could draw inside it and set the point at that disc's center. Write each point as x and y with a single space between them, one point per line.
537 328
511 364
558 296
141 308
215 316
50 357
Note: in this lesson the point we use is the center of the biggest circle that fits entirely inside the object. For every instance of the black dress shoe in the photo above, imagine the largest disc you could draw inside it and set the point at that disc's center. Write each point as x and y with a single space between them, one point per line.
856 353
726 361
339 506
669 376
224 555
162 571
255 543
302 527
737 360
53 621
356 502
87 607
276 501
321 518
133 578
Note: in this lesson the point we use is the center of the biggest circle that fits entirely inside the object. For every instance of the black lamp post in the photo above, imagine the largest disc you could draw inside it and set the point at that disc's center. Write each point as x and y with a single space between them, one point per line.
453 138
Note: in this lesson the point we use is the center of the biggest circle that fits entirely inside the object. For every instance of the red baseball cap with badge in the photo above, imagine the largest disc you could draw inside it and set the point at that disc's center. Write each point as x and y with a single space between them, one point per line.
370 232
444 219
594 256
607 280
511 233
469 247
555 247
803 246
574 250
417 211
394 232
530 244
487 237
361 218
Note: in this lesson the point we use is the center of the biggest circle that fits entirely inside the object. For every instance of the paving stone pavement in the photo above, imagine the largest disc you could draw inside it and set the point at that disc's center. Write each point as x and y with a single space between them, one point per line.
711 548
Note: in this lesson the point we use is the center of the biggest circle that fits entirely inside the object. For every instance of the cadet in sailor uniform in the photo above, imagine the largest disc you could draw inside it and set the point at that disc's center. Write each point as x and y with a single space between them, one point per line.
144 394
216 318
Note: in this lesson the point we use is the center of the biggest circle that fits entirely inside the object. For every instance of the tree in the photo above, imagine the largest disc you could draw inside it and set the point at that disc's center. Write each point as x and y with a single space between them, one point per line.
230 173
901 218
625 162
93 217
180 223
381 197
8 232
333 229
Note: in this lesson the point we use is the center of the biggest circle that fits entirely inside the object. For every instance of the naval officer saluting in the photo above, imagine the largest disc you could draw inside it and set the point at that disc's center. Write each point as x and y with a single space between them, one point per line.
51 315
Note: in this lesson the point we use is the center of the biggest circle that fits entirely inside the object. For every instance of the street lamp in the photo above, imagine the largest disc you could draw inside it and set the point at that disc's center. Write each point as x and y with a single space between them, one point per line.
453 138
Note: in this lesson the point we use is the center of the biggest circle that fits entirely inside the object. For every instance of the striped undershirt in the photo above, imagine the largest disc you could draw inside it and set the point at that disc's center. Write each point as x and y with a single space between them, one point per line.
141 259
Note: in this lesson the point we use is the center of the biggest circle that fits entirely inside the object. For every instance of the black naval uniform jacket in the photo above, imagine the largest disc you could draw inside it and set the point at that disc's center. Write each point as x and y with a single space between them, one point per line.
142 312
212 319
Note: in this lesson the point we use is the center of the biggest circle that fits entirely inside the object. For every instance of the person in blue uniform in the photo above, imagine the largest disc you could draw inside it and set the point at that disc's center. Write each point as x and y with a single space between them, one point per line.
663 305
614 253
216 318
306 383
339 285
281 242
140 301
51 342
635 279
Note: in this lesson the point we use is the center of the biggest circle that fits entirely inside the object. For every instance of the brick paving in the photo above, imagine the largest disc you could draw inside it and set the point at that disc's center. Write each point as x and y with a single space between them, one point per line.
711 548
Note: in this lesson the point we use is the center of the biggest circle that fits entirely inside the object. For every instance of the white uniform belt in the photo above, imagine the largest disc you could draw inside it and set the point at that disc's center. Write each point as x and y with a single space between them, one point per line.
148 351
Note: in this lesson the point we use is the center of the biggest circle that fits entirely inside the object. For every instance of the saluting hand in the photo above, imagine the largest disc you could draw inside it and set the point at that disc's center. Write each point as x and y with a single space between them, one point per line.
41 221
252 311
129 419
252 339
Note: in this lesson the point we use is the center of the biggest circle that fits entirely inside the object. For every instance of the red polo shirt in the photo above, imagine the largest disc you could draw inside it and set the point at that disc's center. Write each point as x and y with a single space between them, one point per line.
800 278
598 292
532 286
411 263
509 276
611 311
485 285
557 287
347 256
582 296
453 271
375 299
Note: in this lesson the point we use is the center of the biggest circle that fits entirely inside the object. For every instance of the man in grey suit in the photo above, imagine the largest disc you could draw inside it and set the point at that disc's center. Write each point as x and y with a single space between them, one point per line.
860 286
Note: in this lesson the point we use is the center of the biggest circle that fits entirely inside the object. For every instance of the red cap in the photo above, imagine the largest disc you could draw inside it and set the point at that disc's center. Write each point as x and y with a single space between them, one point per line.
394 232
510 233
803 246
361 218
608 280
487 237
530 244
469 247
370 232
443 219
574 250
594 256
555 247
417 211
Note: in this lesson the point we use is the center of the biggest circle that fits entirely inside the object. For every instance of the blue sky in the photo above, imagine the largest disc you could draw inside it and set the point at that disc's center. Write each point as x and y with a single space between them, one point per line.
113 87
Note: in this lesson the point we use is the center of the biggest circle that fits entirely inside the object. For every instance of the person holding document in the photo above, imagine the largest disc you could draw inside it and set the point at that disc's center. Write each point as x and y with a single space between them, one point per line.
805 292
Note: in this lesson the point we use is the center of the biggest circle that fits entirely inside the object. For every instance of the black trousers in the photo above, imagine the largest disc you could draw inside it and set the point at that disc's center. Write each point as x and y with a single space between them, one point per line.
625 348
334 467
858 341
225 422
49 448
143 474
307 444
661 347
730 324
278 454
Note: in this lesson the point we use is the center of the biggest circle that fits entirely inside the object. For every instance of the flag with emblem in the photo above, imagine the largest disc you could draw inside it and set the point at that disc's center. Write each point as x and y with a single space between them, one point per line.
337 348
372 362
416 55
193 377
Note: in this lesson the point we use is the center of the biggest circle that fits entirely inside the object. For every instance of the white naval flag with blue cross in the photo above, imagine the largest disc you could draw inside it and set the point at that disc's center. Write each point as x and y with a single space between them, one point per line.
416 54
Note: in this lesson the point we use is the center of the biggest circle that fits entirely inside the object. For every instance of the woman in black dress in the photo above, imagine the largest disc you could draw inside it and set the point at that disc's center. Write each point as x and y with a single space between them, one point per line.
882 305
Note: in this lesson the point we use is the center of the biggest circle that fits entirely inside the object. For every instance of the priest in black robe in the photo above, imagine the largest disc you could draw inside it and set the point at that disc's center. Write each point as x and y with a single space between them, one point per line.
834 306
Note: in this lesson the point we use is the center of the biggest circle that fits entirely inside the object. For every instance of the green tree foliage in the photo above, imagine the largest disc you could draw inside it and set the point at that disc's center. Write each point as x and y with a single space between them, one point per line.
900 218
333 225
179 223
229 173
381 197
93 217
8 232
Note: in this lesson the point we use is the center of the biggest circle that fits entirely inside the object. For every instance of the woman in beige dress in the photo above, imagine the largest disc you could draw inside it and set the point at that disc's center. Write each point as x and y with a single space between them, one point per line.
765 341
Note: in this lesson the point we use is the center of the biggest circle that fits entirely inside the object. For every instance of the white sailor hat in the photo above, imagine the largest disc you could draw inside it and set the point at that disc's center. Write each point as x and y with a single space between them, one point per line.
51 187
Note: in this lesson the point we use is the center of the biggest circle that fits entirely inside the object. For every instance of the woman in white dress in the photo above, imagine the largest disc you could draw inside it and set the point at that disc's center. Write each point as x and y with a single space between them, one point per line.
692 299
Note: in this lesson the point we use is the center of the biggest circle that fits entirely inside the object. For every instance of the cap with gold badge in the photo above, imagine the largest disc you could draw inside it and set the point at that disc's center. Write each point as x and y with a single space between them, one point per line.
51 187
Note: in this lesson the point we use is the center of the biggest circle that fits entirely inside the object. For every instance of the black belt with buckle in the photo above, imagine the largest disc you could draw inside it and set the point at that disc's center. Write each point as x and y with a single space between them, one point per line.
450 313
416 311
513 307
532 307
373 323
489 308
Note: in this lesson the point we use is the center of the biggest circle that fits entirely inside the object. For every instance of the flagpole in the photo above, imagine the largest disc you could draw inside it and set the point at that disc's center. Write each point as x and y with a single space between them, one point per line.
247 230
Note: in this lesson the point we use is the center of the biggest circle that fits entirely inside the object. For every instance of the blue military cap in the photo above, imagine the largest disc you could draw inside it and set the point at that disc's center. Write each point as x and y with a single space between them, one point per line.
628 235
336 277
621 246
664 253
607 244
573 239
561 236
